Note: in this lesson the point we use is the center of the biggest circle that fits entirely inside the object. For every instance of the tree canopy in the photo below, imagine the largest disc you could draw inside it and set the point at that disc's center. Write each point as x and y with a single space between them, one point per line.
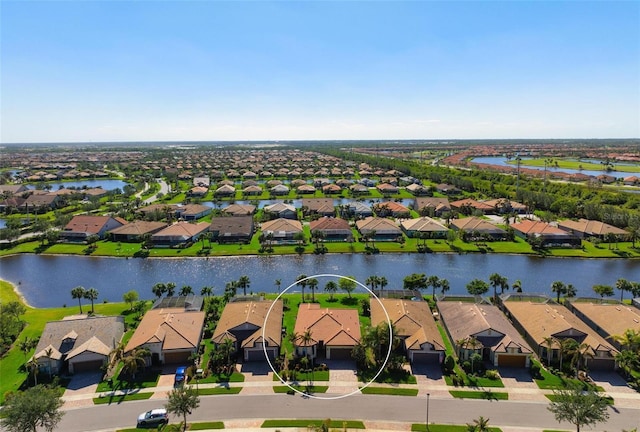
36 407
579 407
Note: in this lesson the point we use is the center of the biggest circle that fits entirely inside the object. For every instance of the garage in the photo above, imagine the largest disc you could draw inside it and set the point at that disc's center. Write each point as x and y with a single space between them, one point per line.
425 357
258 355
601 363
86 366
505 360
339 353
177 357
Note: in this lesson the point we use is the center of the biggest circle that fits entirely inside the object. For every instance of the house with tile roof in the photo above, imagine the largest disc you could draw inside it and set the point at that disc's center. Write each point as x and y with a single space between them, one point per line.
81 227
387 188
333 332
318 206
281 210
283 230
607 319
546 320
356 209
227 229
333 229
504 205
391 208
496 339
477 227
431 206
590 228
383 229
135 231
225 190
179 233
172 335
243 323
78 343
239 210
191 212
551 236
424 226
414 324
469 206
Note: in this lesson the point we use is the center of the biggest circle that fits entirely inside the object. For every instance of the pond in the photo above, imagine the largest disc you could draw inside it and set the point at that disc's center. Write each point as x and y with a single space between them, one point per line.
46 281
501 161
106 184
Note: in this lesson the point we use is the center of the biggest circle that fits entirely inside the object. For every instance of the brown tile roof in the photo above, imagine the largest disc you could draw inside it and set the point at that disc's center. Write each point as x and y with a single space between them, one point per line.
335 327
541 320
591 227
240 209
138 228
472 203
320 205
464 319
285 225
614 319
412 320
379 225
328 224
238 225
476 224
529 227
88 224
250 316
423 224
173 328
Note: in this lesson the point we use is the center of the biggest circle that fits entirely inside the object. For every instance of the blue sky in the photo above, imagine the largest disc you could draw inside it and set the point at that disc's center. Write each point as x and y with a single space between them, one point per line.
295 70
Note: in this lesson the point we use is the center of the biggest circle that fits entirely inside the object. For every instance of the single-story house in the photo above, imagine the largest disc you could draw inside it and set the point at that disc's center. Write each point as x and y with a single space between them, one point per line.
382 229
432 206
424 226
198 191
356 209
359 189
252 190
179 232
483 329
387 188
13 189
283 230
590 228
474 226
468 206
191 212
414 324
333 332
239 210
171 334
504 205
333 229
539 321
37 201
225 190
134 231
631 181
280 190
319 206
281 210
227 229
320 182
78 343
305 189
81 227
242 322
391 208
447 189
417 189
608 319
202 181
161 210
550 235
331 189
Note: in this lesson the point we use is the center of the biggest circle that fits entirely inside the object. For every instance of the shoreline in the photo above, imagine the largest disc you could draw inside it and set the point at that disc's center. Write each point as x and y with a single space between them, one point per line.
21 297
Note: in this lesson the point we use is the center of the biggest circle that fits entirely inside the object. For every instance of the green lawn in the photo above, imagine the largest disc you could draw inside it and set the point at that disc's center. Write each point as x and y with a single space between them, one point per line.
554 398
389 391
470 394
144 379
389 377
301 388
121 398
309 376
301 423
215 378
206 425
421 427
219 391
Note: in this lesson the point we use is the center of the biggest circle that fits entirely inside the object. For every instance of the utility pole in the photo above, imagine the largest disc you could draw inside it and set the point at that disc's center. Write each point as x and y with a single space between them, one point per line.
428 411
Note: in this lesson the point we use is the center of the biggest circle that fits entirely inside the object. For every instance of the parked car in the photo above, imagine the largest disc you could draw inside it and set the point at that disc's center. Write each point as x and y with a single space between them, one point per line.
181 375
154 417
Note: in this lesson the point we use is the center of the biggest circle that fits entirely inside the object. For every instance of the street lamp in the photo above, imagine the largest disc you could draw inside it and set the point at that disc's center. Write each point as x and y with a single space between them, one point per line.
428 411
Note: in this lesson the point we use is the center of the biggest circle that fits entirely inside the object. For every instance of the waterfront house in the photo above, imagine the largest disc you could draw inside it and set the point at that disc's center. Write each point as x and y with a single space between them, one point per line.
333 229
135 231
382 229
424 227
239 210
281 210
387 189
81 227
550 236
391 208
226 190
191 212
172 334
483 329
333 332
414 325
78 343
283 230
475 228
179 233
318 206
584 228
242 323
227 229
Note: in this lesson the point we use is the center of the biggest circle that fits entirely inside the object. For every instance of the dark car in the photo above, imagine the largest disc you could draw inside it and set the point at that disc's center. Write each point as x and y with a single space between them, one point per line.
154 417
181 375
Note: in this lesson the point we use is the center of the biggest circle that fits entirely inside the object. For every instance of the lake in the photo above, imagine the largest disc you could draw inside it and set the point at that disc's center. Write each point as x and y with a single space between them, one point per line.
106 184
46 281
501 161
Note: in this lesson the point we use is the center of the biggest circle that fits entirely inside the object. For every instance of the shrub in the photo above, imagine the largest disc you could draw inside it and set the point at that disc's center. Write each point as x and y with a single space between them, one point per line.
448 364
535 370
492 374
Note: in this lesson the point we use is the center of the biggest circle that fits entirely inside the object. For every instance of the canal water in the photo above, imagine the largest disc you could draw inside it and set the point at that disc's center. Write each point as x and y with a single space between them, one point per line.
46 281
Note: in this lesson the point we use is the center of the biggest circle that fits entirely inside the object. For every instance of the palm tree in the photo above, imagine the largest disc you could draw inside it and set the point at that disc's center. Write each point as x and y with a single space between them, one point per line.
78 293
26 345
433 282
33 367
135 360
159 289
627 361
623 285
383 283
244 282
549 340
517 286
559 288
313 284
48 353
372 281
497 280
331 287
171 289
629 340
278 284
480 424
306 338
206 291
91 294
302 283
186 290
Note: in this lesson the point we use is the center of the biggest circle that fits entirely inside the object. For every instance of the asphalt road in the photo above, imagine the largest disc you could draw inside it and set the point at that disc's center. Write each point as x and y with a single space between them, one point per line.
360 407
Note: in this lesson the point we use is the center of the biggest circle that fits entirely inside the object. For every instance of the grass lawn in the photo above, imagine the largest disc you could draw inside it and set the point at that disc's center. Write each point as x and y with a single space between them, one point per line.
121 398
301 388
301 423
215 378
206 425
144 379
389 391
219 391
470 394
308 376
387 377
554 398
421 427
